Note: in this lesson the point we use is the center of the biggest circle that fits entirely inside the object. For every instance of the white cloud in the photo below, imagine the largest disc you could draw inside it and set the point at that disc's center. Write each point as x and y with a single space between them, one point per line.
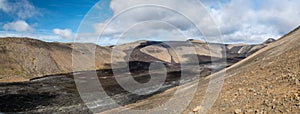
240 21
185 19
248 22
19 26
64 33
22 9
251 34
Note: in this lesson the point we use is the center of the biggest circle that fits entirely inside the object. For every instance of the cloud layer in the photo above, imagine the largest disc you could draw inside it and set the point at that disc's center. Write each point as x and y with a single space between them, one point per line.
19 10
252 21
140 18
239 21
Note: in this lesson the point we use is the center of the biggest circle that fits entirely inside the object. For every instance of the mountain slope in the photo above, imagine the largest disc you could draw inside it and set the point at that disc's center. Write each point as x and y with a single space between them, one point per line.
166 51
267 81
25 58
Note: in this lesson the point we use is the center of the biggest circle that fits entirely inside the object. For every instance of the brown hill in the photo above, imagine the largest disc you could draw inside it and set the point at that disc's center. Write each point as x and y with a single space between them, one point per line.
265 82
25 58
168 51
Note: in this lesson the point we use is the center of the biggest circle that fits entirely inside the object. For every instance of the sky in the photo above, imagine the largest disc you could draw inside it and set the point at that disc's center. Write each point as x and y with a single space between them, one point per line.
109 22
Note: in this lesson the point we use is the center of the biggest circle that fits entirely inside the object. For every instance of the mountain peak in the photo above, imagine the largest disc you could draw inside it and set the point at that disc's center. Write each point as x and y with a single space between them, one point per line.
269 40
195 41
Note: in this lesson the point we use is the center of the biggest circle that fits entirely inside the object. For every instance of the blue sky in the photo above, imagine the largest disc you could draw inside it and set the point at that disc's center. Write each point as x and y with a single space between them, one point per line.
54 13
48 15
61 13
239 21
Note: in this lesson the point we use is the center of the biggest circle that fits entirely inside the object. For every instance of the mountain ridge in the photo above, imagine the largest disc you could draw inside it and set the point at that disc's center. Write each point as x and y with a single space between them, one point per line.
265 82
26 58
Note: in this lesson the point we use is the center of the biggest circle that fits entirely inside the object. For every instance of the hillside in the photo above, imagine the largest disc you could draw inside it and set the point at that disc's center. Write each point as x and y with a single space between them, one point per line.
24 58
166 50
265 82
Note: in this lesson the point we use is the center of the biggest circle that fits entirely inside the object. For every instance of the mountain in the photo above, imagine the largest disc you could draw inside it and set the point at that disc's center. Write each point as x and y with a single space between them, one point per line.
24 58
265 78
174 51
270 40
265 82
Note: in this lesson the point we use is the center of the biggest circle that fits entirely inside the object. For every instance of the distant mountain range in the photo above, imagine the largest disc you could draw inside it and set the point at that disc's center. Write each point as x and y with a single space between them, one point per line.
25 58
261 78
267 81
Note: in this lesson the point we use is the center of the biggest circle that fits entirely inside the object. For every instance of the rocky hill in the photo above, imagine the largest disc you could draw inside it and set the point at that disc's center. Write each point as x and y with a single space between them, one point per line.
166 50
25 58
268 81
265 82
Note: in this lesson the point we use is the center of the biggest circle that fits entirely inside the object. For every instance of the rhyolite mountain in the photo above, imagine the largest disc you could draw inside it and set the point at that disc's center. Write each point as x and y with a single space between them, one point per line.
267 81
24 58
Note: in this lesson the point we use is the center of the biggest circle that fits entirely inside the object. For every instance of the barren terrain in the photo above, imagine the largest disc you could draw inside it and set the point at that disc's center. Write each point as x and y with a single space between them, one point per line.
266 82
